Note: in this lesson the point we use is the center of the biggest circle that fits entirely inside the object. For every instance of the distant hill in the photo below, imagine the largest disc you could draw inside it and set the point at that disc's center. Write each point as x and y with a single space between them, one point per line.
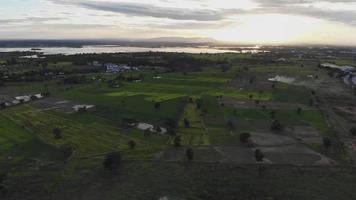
182 40
163 41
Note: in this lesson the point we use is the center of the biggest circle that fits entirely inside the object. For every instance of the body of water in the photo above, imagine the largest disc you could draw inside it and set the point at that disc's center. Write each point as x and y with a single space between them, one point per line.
126 49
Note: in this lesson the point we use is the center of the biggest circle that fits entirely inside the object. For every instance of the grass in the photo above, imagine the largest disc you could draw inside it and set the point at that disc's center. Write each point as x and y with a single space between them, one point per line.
88 139
19 146
196 134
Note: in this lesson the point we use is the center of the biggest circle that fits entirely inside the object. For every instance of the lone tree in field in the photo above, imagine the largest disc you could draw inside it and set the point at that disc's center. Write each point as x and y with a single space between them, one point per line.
231 124
186 123
259 155
276 126
67 151
244 137
2 105
190 154
299 111
112 161
177 141
353 131
57 133
157 105
132 144
3 190
326 142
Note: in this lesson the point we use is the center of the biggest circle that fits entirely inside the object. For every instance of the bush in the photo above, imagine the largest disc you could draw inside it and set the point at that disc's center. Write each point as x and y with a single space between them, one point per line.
299 111
190 154
244 138
276 126
326 142
112 161
132 144
67 151
57 133
177 141
259 155
186 123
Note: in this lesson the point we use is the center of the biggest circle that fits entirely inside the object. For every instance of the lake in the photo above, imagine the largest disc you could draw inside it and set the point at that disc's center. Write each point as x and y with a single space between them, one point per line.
126 49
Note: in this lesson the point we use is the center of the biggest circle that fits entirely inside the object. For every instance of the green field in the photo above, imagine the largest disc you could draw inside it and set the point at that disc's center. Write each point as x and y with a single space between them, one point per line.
219 104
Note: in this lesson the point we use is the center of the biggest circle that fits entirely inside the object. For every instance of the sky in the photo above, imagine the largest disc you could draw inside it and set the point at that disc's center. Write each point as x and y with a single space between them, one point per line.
239 21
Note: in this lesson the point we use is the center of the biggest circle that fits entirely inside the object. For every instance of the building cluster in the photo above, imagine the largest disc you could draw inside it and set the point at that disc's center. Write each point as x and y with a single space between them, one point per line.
114 68
349 73
8 102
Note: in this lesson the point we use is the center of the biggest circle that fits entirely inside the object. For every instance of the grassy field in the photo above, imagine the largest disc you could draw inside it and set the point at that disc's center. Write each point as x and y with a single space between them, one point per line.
19 147
86 138
196 133
27 139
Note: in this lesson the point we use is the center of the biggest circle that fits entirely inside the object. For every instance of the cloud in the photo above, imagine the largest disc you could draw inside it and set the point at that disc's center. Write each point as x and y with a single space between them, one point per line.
193 25
288 7
306 8
28 20
139 9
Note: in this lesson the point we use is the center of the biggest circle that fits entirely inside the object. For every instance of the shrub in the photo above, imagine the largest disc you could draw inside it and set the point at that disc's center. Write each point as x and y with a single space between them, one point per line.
276 126
259 155
112 161
244 137
177 141
132 144
57 133
190 154
326 142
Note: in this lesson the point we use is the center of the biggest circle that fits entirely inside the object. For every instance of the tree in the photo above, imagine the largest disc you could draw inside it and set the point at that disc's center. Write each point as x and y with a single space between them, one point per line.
67 151
299 111
259 155
132 144
57 133
231 124
264 107
147 132
326 142
177 141
2 105
171 123
190 154
353 131
157 105
3 190
276 126
257 102
186 123
112 161
244 137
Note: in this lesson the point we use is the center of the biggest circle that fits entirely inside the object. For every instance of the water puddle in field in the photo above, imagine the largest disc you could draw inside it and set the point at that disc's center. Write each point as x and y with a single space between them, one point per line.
152 128
282 79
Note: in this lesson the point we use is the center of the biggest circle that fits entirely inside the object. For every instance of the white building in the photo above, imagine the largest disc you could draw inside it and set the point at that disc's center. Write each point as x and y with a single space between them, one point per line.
113 68
77 108
23 98
347 69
